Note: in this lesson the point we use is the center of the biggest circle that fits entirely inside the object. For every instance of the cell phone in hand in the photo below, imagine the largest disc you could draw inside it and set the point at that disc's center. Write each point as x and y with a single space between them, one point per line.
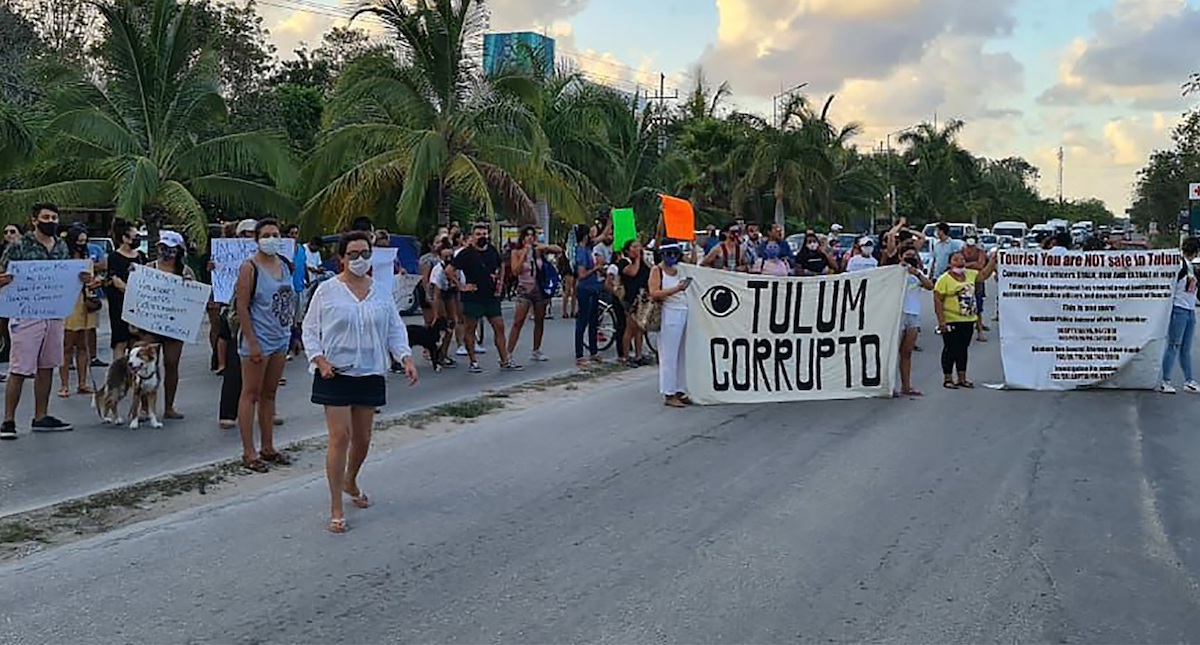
687 282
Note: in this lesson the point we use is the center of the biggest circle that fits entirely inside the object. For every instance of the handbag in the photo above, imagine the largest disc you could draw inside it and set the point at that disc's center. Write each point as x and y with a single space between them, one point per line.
648 312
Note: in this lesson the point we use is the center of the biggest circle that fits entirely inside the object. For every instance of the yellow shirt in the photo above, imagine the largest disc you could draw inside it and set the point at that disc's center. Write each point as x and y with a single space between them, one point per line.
958 298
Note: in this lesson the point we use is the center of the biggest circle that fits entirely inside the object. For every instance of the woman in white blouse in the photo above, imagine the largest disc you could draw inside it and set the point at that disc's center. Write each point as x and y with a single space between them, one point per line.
349 331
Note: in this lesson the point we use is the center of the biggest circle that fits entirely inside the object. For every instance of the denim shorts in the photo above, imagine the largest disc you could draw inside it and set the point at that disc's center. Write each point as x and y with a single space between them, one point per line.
910 321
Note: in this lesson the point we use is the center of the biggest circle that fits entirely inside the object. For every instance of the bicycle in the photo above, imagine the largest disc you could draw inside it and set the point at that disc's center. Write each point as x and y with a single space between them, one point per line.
606 331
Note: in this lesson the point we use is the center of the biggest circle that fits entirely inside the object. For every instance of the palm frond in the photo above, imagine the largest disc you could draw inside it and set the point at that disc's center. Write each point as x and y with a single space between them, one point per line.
136 182
184 211
243 196
91 193
249 154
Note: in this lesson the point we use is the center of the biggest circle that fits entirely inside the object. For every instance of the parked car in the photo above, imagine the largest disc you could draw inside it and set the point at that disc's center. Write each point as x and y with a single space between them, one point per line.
988 242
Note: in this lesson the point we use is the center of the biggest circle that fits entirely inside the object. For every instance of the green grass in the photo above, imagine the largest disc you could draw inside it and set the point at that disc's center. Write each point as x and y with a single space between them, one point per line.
19 533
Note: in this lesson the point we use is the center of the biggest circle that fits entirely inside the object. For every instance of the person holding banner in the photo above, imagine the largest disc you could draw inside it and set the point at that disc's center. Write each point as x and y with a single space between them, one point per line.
1182 328
171 250
910 321
957 313
37 345
85 316
667 288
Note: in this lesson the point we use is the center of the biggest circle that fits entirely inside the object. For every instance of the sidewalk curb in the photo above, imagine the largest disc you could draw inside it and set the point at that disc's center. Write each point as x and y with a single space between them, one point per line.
202 472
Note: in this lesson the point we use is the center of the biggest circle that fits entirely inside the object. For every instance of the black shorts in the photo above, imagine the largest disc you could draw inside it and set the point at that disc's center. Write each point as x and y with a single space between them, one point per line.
350 391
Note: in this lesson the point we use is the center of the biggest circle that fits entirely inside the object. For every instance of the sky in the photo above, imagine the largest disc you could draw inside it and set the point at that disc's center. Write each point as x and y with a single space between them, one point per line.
1100 78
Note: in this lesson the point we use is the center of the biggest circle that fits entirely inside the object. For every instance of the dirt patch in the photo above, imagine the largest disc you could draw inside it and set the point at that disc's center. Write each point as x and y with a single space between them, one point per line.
27 533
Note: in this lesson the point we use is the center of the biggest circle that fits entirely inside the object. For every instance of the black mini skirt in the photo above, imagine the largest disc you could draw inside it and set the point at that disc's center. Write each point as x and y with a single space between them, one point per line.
350 391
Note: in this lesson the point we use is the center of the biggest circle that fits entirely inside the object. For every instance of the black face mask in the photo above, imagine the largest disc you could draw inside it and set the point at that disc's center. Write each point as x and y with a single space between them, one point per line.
482 242
49 229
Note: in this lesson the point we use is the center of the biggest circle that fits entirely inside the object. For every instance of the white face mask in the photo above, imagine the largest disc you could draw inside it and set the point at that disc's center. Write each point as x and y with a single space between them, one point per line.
269 245
359 266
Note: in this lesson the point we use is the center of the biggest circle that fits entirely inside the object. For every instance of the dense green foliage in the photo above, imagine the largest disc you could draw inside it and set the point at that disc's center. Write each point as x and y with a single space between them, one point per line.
181 112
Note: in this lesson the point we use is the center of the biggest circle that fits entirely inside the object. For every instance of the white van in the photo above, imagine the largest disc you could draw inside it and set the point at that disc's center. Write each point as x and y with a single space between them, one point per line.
958 231
1016 230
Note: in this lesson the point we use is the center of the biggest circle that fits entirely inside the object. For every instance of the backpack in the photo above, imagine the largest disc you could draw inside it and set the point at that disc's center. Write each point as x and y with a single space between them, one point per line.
229 312
548 278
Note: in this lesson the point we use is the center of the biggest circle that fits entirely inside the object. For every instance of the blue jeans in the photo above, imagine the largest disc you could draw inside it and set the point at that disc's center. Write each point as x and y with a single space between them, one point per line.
587 320
1179 343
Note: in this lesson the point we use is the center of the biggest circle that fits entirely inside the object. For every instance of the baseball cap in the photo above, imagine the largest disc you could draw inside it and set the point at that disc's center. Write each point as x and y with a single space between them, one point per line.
170 238
246 225
835 228
866 241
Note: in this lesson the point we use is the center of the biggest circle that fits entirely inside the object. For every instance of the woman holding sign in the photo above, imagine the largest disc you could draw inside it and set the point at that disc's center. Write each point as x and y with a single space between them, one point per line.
171 250
85 316
667 288
120 260
1183 322
957 312
350 332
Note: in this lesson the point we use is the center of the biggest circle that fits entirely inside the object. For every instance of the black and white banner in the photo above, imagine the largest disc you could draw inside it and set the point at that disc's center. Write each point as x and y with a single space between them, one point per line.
756 339
1082 320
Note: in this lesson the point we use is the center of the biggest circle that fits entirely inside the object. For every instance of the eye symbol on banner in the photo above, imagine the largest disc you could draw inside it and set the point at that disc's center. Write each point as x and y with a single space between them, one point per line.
720 301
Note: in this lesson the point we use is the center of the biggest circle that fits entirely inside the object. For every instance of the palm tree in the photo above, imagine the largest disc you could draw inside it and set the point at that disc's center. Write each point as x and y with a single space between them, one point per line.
434 128
139 138
942 169
797 159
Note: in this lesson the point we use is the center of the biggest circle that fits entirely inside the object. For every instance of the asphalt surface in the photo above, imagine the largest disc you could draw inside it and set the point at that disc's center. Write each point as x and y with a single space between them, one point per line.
42 469
965 516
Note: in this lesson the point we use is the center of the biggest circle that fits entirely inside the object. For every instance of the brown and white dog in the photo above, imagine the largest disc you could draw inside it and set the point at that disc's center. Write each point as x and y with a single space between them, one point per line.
136 373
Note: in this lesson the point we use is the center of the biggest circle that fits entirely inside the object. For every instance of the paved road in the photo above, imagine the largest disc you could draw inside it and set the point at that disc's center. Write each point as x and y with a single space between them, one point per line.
977 516
42 469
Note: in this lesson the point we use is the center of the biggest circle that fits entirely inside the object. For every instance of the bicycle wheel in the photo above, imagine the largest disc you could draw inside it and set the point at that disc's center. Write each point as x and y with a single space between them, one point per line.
606 330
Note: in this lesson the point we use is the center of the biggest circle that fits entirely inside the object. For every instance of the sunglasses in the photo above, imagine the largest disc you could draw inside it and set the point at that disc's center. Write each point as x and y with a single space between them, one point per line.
354 255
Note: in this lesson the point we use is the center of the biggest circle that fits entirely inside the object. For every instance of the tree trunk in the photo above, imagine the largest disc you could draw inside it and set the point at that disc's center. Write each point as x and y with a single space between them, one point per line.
780 215
154 219
443 205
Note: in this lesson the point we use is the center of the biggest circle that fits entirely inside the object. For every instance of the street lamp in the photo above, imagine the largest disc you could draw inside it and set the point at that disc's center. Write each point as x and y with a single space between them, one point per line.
775 102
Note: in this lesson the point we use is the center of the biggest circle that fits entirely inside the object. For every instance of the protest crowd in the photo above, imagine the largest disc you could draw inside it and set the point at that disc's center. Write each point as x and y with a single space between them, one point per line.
268 297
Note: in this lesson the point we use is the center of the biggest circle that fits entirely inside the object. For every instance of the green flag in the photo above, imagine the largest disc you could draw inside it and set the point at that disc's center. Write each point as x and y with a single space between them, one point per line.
624 228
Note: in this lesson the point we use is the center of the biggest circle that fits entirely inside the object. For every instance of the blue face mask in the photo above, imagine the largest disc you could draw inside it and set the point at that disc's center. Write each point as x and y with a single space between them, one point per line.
671 259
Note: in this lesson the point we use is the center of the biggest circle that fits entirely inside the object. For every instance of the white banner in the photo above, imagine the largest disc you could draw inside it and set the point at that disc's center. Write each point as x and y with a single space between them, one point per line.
383 268
405 291
42 289
165 304
228 255
758 339
1081 320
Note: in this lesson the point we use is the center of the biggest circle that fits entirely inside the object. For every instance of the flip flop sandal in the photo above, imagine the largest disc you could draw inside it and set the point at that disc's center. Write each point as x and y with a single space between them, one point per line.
912 393
257 465
64 393
277 458
85 390
360 500
966 384
337 525
949 385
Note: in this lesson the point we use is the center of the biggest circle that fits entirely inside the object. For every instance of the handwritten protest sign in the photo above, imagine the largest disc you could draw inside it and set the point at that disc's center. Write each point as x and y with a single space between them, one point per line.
165 304
42 289
405 292
228 254
383 268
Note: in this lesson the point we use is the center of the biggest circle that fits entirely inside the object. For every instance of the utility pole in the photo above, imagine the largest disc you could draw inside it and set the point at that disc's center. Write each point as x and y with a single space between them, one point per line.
661 117
1060 176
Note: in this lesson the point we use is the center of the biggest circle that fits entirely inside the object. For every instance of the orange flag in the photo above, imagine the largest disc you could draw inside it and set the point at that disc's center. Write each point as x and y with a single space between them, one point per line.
679 218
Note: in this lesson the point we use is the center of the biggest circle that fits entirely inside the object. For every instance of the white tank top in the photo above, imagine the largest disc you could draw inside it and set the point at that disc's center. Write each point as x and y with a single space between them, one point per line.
676 301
